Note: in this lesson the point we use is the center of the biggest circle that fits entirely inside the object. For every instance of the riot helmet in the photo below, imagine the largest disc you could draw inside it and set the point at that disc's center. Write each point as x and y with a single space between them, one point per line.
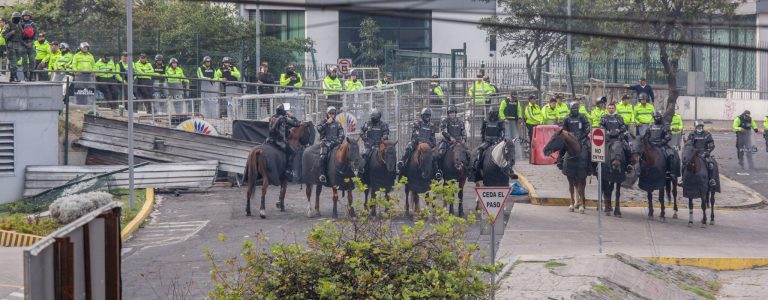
375 115
426 114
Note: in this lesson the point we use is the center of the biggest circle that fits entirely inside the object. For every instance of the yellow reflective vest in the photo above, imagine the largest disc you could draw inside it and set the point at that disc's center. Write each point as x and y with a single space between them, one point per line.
677 124
550 115
644 113
627 112
331 85
533 114
595 117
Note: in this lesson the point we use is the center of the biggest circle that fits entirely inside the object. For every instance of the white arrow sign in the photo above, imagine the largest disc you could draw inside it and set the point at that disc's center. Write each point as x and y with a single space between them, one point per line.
493 199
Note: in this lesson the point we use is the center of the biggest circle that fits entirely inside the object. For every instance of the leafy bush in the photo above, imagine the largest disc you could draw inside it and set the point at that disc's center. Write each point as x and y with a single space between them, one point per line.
363 258
36 225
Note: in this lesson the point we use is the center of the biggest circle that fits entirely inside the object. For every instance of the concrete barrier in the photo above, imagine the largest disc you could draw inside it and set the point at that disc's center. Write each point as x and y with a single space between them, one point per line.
723 109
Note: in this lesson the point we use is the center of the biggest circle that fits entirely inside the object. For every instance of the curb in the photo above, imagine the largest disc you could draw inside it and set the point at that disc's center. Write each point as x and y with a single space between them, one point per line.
132 226
547 201
714 263
15 239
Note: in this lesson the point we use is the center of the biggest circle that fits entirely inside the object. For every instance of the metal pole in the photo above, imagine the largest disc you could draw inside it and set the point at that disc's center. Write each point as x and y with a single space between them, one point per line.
258 40
696 106
129 90
493 256
66 124
599 207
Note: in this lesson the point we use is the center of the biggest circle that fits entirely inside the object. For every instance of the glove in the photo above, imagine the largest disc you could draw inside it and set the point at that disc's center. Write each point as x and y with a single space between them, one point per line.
755 130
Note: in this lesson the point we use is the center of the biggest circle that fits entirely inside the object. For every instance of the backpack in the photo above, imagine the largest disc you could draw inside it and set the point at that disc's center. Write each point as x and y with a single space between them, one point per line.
28 32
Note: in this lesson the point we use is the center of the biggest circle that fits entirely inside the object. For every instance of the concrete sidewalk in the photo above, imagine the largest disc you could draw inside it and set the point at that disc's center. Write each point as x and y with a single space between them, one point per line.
12 273
548 186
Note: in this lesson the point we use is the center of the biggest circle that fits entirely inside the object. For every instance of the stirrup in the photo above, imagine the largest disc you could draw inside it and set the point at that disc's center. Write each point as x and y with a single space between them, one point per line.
322 179
712 182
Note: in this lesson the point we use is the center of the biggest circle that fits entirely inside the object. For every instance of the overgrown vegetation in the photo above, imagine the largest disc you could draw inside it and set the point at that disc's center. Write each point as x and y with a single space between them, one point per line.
42 226
365 257
553 264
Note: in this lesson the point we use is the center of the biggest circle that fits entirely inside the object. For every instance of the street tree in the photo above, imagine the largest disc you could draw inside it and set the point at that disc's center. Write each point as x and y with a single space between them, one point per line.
371 47
665 20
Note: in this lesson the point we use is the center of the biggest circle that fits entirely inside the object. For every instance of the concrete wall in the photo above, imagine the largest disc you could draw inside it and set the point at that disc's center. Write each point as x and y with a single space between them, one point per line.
724 109
325 34
450 35
33 109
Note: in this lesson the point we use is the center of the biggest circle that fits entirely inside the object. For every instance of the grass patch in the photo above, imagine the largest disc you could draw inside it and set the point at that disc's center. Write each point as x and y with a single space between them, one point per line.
553 264
126 215
702 293
602 289
42 226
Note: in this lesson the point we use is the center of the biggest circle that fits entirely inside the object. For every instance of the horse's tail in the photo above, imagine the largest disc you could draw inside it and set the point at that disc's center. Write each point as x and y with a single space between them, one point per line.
252 169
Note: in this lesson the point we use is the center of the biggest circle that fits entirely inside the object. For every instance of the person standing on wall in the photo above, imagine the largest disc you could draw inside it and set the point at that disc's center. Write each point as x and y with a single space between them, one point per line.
643 87
28 34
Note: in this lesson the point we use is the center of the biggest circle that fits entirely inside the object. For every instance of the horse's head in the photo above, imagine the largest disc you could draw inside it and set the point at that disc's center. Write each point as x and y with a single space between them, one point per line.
616 157
423 159
460 156
304 134
689 154
556 143
388 155
350 153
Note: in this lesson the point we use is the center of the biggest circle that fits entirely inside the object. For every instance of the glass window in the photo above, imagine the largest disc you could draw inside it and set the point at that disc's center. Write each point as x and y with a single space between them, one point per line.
281 24
409 33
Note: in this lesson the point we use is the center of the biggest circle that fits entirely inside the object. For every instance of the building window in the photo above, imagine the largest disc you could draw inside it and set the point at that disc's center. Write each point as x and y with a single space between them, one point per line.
6 149
281 24
409 33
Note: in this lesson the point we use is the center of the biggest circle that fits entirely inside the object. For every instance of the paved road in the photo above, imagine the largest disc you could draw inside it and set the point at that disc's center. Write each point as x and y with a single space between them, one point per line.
12 273
725 151
167 253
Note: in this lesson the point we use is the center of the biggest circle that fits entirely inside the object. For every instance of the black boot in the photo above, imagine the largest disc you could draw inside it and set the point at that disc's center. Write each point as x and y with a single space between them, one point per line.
289 168
323 168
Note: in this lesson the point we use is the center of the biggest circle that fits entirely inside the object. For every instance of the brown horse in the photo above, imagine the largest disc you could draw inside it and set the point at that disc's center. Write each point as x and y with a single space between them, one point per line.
267 162
576 165
341 169
420 174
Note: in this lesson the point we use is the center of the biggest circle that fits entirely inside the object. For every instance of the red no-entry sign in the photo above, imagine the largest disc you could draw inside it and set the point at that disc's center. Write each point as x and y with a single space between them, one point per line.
598 145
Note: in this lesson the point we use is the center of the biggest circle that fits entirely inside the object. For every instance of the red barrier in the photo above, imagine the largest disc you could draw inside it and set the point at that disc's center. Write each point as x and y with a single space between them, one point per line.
541 136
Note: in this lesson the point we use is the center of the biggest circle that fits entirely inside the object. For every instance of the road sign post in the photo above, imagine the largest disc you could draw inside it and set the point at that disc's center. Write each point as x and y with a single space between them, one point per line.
598 155
493 200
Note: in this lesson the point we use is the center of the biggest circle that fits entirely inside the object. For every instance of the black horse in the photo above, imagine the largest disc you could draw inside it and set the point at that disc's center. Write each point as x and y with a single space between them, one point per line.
653 166
382 170
695 181
419 173
455 166
497 166
671 181
614 172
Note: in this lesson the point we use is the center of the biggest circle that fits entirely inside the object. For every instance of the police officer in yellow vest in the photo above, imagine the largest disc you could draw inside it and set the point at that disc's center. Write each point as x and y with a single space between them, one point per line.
332 86
597 114
626 111
105 67
549 114
533 116
436 95
512 115
562 108
42 52
643 114
676 126
481 90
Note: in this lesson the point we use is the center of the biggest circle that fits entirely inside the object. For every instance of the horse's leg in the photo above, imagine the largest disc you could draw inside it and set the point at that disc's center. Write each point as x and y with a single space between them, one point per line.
350 209
674 195
309 200
711 208
650 204
690 212
318 190
335 203
607 191
416 202
450 205
407 201
263 208
581 186
461 197
571 183
249 193
704 203
477 200
617 208
661 201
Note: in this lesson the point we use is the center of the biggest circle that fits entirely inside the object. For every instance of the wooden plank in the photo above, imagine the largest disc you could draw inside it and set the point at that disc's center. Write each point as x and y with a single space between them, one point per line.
164 167
64 177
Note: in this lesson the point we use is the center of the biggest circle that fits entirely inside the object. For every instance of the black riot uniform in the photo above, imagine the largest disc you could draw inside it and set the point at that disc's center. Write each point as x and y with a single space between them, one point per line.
703 142
577 124
279 126
491 132
331 135
451 127
659 134
614 127
421 132
373 133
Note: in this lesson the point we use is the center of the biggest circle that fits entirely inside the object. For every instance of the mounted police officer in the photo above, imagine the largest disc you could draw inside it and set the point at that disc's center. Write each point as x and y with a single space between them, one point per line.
279 125
373 133
658 135
491 133
452 130
577 124
421 132
616 129
331 135
703 142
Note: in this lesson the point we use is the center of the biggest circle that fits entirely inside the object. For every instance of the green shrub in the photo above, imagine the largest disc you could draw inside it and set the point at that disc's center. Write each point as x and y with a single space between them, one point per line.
365 257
